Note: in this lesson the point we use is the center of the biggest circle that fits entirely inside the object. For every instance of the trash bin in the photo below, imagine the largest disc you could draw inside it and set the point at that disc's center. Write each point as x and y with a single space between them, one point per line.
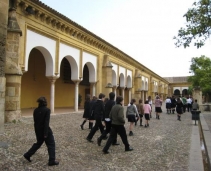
195 115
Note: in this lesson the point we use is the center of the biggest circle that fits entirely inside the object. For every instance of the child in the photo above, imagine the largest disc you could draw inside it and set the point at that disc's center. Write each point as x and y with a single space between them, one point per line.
147 111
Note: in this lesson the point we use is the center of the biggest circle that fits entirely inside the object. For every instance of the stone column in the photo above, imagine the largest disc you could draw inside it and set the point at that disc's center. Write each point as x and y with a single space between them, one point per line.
197 94
129 91
52 95
76 95
93 86
3 34
142 96
13 71
123 92
114 90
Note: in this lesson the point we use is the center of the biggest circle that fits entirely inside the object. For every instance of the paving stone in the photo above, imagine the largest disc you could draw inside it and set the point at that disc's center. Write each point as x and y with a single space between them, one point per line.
163 146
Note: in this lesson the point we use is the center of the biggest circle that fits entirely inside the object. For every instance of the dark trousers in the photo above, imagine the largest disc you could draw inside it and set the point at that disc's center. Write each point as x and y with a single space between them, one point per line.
117 129
184 108
106 131
50 143
98 125
189 107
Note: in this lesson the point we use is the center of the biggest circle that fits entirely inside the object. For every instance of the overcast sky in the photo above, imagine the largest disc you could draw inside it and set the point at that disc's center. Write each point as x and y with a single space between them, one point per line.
143 29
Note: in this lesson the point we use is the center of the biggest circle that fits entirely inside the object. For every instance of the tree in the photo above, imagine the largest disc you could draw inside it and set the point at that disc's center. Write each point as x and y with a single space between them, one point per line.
198 25
201 69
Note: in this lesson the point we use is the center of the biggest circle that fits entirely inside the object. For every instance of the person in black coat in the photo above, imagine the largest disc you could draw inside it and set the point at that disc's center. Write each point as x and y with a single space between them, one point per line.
91 112
99 114
86 110
108 105
43 132
179 108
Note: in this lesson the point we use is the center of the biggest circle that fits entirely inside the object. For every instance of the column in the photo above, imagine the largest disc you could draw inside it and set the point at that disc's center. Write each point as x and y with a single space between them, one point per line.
3 36
76 95
142 96
114 90
129 91
123 92
52 95
93 85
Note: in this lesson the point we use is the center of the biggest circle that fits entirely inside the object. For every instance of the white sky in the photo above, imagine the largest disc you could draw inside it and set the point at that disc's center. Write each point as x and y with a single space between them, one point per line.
143 29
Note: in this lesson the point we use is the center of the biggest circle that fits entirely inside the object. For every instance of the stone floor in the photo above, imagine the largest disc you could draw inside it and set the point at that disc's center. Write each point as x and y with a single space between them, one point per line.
163 146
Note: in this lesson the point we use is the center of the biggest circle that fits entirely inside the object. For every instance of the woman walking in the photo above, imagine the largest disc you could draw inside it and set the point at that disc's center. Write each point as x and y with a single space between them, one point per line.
158 104
150 103
140 111
86 110
131 114
173 104
179 108
147 111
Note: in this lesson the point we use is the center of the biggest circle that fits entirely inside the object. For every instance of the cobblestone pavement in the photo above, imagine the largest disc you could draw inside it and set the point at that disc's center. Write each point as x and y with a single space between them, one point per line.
163 146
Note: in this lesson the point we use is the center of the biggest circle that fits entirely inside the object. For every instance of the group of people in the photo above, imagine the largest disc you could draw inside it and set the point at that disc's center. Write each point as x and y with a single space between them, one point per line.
109 118
111 113
180 104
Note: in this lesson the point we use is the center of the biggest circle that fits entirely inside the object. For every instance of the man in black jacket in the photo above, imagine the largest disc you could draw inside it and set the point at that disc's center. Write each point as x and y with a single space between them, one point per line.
43 132
109 104
99 114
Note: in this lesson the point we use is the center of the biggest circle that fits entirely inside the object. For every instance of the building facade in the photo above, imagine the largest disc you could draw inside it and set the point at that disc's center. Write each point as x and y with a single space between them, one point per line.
49 55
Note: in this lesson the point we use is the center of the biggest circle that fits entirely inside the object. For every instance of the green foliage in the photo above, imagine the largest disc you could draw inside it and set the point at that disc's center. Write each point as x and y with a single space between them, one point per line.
198 25
201 69
190 90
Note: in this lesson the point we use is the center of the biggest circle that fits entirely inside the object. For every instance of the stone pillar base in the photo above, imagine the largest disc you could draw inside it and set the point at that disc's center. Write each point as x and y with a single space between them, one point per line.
12 116
2 103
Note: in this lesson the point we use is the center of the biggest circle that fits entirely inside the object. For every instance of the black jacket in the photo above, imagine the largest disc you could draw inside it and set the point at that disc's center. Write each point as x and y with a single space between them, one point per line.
99 110
41 121
86 109
108 106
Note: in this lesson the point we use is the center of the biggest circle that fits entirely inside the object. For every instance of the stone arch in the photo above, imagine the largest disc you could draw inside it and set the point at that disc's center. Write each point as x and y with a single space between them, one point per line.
121 80
184 92
142 84
36 77
92 72
129 82
74 67
114 81
146 85
176 92
45 45
48 60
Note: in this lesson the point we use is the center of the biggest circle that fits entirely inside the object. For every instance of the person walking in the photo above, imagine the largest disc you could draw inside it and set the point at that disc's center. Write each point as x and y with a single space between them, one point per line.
99 114
147 111
158 104
150 103
184 102
173 104
168 105
195 105
43 132
108 106
131 114
86 110
140 109
117 126
179 108
91 112
189 104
